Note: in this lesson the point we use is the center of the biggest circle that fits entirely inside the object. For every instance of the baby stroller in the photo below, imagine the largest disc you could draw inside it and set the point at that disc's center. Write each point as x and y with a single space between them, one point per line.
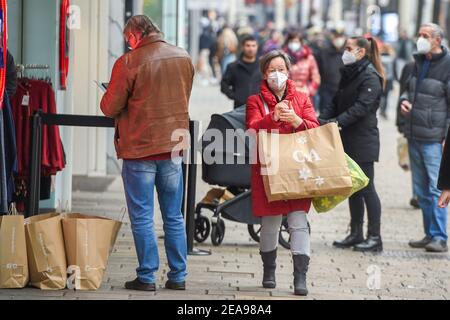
233 203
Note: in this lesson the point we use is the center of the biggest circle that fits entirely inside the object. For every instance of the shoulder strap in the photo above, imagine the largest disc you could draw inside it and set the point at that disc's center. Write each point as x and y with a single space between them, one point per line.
266 107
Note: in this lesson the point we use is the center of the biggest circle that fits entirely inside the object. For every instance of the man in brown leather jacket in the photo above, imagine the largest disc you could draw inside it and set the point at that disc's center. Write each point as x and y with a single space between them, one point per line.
149 97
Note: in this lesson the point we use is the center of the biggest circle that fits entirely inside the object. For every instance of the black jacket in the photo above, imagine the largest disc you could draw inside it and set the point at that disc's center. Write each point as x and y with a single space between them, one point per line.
444 175
241 80
430 115
407 73
330 64
355 109
11 75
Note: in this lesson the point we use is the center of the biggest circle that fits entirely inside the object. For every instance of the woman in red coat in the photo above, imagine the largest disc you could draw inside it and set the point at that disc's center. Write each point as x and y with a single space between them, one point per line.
280 107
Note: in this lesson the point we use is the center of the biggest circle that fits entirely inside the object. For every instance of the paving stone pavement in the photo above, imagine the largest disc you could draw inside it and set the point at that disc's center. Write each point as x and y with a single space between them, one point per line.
234 270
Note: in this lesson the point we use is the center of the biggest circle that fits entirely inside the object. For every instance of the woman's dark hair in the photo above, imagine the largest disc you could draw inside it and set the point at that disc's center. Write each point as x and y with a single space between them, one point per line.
291 36
265 60
373 52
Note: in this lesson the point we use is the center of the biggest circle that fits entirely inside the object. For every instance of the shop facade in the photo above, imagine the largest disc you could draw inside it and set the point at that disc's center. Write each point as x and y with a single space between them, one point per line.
95 42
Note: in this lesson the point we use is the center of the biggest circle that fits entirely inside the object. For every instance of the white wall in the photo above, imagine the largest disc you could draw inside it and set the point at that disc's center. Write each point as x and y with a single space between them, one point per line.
90 62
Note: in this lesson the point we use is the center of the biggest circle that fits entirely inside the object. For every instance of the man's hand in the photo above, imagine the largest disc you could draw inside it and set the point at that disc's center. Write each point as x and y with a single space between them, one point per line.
444 200
406 108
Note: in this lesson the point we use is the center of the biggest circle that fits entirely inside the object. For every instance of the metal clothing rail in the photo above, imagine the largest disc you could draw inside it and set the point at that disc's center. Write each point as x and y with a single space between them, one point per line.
20 68
40 119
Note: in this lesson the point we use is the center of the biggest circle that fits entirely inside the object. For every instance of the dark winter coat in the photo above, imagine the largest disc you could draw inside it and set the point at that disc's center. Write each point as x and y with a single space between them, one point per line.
355 109
241 80
430 116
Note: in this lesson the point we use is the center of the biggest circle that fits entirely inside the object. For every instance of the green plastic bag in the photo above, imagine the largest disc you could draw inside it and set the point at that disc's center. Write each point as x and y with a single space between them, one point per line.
360 181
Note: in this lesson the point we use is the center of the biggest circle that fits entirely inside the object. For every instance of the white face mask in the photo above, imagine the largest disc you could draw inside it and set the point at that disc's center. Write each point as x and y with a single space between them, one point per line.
277 80
423 46
349 58
339 42
295 46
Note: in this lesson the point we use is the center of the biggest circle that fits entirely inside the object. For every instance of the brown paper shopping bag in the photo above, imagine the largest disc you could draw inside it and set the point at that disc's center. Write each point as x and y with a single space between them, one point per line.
304 165
88 241
13 253
46 254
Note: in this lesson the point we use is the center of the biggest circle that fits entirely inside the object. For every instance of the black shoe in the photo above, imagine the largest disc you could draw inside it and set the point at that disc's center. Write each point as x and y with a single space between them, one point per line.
270 266
301 265
137 285
372 244
415 203
437 246
420 244
356 237
178 286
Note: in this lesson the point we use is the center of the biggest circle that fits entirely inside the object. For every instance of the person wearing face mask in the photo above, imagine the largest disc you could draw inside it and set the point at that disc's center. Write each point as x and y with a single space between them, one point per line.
304 72
281 109
148 96
355 108
330 63
425 106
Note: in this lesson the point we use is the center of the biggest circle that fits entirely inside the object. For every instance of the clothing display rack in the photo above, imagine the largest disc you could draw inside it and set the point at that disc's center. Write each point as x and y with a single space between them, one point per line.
21 68
39 120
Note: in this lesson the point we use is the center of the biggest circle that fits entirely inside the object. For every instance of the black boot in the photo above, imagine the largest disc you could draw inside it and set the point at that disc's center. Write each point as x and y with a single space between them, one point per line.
356 237
372 244
301 265
270 265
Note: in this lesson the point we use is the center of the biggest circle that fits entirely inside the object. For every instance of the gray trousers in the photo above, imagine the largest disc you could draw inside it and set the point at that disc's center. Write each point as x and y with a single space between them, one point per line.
298 229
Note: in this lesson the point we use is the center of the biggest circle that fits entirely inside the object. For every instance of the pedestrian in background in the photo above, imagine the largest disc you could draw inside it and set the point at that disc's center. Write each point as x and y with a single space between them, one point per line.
330 65
426 109
388 60
280 107
354 109
405 76
148 96
243 77
304 71
274 42
205 68
227 47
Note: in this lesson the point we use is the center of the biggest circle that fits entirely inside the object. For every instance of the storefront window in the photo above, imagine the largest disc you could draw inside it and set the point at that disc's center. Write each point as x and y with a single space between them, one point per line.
154 9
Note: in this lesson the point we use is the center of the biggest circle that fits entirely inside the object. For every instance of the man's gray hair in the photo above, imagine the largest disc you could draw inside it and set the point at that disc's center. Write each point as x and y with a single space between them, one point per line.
438 32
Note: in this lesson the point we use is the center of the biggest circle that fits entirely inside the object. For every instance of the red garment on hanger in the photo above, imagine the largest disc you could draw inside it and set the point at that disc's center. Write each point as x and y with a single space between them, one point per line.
41 97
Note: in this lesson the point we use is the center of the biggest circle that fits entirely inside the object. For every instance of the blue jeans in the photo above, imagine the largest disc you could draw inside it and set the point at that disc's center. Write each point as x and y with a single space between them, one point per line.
140 179
425 165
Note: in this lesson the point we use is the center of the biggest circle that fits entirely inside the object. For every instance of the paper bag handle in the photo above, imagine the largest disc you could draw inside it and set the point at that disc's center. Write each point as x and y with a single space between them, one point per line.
13 210
122 214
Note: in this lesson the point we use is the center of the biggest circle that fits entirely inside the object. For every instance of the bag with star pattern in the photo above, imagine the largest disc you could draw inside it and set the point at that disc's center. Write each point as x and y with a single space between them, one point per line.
304 165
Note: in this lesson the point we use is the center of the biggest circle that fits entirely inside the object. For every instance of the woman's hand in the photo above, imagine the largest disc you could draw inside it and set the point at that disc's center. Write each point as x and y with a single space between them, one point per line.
444 199
279 108
289 116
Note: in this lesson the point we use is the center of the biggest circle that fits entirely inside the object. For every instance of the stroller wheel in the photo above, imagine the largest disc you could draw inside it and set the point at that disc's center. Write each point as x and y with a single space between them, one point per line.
254 230
218 233
284 237
202 229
